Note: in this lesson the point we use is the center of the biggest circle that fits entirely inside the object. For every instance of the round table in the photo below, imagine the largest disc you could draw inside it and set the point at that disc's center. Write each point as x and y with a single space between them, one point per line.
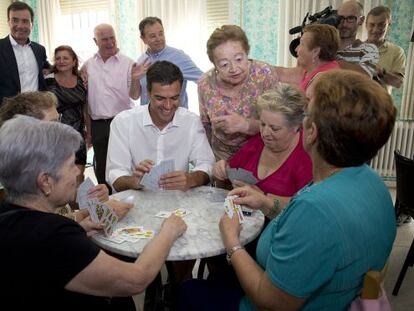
202 238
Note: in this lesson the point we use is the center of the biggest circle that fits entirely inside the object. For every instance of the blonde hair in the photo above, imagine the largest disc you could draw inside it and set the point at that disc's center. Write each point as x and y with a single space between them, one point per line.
285 99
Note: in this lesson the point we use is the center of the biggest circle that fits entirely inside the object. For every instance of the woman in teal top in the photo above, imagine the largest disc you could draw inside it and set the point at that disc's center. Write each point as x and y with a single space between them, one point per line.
314 254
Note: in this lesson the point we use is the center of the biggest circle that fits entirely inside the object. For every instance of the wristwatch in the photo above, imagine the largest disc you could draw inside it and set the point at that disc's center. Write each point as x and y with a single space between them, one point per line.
232 251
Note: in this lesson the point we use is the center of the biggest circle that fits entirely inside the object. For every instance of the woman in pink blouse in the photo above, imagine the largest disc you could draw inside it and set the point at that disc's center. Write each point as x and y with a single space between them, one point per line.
228 92
275 156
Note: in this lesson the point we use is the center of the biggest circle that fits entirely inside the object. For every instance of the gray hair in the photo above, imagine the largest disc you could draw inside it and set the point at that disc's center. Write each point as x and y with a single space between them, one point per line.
28 148
285 99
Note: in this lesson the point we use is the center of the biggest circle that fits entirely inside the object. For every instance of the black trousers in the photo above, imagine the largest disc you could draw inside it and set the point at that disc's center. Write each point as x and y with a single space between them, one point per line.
100 137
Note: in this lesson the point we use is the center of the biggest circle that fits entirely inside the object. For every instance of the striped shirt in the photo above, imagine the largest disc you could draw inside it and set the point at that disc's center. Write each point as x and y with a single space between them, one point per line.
363 54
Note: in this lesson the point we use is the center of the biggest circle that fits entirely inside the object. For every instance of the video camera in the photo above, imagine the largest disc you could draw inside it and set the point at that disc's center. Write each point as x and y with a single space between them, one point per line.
326 16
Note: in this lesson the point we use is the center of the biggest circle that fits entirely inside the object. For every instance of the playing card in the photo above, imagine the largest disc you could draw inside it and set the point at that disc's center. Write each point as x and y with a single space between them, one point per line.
145 234
181 212
231 208
109 220
82 195
242 175
92 206
166 166
129 230
163 214
151 179
113 238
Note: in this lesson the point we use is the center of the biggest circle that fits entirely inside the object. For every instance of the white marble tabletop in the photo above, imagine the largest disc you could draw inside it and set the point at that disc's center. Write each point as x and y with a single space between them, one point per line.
202 238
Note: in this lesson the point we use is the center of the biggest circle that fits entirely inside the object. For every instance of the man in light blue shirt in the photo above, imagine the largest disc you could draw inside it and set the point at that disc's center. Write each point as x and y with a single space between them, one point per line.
152 34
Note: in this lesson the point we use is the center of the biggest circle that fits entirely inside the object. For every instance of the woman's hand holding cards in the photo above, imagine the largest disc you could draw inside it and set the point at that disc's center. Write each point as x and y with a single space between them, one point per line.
230 230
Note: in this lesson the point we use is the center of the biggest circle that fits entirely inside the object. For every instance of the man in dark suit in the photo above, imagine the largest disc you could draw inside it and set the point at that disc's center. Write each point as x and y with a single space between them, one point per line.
21 60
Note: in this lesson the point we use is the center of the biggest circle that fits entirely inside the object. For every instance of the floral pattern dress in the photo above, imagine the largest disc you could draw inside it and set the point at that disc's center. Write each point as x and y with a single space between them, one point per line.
262 77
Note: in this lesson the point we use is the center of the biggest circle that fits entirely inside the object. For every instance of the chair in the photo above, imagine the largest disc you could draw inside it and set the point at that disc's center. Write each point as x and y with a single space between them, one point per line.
373 296
404 203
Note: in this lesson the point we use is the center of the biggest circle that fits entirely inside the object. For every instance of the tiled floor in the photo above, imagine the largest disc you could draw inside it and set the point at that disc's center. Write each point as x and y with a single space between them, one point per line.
405 299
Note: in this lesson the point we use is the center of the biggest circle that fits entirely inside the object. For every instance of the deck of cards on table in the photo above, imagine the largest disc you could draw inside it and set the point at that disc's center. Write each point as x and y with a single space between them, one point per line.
99 212
231 208
151 180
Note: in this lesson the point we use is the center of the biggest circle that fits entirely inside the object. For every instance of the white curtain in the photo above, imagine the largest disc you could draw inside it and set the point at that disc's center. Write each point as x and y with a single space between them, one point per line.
185 27
49 16
407 103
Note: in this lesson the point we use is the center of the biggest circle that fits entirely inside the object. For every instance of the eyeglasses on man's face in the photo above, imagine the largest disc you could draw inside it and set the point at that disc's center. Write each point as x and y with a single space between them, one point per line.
349 19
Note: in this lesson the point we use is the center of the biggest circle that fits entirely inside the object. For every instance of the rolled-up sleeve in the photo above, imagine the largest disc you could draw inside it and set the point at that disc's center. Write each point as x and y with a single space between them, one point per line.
118 161
201 155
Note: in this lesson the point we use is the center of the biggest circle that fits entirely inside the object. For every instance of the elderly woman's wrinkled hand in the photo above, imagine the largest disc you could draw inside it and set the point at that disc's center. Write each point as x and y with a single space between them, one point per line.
89 226
174 226
100 191
219 170
249 196
120 208
230 230
231 124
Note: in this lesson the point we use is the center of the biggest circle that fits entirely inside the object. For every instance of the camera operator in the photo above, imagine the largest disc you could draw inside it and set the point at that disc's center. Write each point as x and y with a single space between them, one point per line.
353 53
391 66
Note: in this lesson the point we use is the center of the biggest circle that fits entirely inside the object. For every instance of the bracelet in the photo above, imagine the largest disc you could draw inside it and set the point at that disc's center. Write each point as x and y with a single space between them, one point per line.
232 251
273 212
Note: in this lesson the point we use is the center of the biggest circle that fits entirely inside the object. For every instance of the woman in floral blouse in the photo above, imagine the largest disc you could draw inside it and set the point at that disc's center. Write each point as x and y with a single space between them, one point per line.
228 92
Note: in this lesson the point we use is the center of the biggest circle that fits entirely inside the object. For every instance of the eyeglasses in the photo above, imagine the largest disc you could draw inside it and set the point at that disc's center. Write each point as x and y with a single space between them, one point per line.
349 19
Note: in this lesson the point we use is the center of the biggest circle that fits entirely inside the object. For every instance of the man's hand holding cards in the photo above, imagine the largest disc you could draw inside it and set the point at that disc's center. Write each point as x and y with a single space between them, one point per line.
152 178
231 208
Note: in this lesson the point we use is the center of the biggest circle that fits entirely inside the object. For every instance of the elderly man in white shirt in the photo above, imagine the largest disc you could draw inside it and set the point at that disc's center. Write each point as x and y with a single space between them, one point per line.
146 135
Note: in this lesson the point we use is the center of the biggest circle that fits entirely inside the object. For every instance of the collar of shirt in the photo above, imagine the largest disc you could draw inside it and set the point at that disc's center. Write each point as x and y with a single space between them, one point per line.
176 121
14 42
98 56
157 54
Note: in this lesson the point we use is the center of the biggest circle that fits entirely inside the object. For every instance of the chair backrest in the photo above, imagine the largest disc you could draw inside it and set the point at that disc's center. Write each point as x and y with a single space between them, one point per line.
405 181
373 296
372 283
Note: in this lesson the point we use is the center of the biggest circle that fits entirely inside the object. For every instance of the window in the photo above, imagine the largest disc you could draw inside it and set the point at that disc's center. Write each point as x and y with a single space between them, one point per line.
78 21
4 27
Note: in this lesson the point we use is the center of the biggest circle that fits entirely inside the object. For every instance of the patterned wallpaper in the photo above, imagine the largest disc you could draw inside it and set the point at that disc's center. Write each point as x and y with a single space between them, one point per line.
35 31
402 13
259 19
126 21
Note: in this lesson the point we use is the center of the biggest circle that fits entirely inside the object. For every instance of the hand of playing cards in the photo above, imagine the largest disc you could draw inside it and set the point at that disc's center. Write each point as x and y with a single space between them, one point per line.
242 175
231 208
99 212
151 179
